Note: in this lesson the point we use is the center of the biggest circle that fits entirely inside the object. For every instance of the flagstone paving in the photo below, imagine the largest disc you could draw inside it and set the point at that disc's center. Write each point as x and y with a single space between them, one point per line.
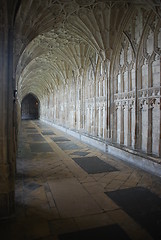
61 195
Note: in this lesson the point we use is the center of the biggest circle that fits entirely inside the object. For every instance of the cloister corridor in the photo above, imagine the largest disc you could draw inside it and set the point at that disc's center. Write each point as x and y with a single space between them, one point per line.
80 119
68 190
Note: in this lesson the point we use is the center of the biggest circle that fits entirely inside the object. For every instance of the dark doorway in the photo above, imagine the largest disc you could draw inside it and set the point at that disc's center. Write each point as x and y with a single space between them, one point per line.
30 107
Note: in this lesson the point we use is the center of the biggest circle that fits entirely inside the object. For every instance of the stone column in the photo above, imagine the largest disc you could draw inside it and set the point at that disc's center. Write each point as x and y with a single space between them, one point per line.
7 151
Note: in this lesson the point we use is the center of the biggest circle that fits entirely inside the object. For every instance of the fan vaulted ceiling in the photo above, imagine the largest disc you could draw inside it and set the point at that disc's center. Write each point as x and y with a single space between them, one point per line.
56 39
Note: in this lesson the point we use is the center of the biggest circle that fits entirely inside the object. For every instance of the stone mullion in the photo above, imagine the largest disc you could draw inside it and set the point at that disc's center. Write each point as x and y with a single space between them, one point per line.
130 80
122 110
83 101
118 134
95 104
104 121
106 111
68 105
149 140
115 119
122 126
99 121
138 109
75 103
126 125
133 114
86 116
129 111
53 102
89 120
115 110
56 109
64 111
129 127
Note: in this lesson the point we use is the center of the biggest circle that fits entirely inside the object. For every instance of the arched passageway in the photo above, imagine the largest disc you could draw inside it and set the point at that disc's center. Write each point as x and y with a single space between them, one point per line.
94 65
30 107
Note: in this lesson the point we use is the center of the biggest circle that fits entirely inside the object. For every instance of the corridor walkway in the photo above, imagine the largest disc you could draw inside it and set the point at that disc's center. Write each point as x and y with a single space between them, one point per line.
67 190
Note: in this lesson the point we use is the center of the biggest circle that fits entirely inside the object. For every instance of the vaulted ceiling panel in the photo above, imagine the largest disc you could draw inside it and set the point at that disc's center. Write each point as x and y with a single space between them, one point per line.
55 38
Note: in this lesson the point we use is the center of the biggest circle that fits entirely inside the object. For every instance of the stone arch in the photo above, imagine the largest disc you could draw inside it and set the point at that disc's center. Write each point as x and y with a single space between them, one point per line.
148 88
30 107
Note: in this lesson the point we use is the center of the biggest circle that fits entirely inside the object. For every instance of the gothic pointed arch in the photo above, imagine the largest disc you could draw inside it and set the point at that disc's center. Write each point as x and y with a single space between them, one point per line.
30 106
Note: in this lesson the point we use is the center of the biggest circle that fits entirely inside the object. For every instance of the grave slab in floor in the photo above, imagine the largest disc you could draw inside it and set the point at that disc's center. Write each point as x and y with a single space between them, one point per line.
142 205
93 165
60 139
32 130
54 196
68 146
72 199
111 232
79 153
48 133
40 147
36 137
43 126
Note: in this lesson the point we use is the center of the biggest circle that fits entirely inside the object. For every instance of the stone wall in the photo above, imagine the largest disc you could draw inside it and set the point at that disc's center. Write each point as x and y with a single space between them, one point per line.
93 65
7 113
137 85
116 99
80 105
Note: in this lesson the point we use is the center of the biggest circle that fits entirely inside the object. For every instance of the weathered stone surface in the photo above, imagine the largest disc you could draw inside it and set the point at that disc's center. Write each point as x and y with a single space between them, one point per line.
99 75
94 67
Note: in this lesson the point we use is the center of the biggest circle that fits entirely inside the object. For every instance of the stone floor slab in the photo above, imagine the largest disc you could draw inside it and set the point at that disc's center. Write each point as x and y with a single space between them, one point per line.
93 165
142 205
60 139
36 137
55 196
68 146
33 131
72 199
40 147
80 153
48 133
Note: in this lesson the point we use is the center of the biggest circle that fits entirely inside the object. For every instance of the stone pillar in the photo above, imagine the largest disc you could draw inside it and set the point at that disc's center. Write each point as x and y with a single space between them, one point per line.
7 151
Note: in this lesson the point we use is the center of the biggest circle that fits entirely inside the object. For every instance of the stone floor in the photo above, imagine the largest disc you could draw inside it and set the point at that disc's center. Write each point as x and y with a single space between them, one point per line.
66 189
